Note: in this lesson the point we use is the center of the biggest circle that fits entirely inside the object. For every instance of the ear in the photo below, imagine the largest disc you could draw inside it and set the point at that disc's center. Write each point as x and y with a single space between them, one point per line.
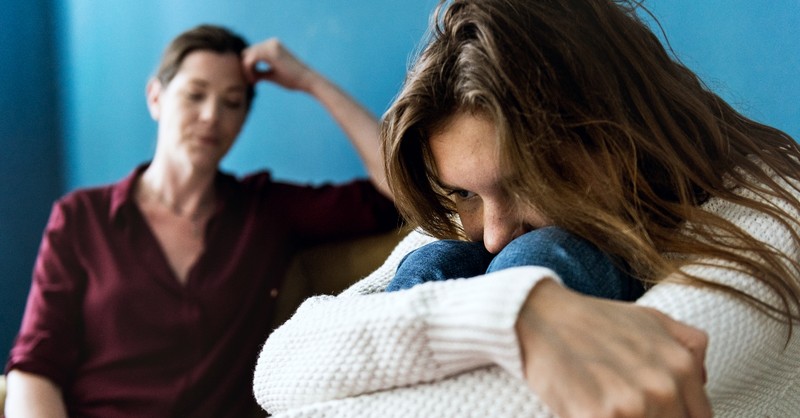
153 93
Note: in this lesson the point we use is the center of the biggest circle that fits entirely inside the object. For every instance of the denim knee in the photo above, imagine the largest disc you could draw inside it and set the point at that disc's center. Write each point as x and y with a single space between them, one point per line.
580 265
441 260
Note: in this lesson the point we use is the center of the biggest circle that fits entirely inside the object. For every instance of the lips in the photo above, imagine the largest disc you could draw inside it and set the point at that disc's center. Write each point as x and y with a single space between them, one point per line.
208 140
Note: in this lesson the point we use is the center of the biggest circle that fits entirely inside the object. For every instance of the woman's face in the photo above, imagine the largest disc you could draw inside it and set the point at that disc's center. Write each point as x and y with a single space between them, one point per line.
201 111
467 163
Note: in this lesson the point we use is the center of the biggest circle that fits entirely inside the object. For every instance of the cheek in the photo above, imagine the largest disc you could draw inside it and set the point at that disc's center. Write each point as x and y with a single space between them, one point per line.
179 117
228 132
472 222
534 218
233 123
174 121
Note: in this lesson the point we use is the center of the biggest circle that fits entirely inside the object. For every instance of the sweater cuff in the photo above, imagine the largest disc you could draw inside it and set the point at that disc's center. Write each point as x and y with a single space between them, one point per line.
473 323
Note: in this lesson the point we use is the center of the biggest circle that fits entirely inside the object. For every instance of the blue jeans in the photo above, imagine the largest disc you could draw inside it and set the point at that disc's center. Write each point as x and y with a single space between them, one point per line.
580 265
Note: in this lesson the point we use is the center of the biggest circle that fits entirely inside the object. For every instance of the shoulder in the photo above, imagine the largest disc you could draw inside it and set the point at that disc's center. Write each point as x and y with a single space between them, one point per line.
87 194
257 179
86 199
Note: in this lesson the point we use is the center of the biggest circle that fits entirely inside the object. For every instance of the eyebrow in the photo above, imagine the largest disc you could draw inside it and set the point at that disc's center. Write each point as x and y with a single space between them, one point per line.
198 81
446 187
239 88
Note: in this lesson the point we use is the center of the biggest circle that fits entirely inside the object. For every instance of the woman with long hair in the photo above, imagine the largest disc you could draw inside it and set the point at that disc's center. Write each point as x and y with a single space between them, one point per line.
519 115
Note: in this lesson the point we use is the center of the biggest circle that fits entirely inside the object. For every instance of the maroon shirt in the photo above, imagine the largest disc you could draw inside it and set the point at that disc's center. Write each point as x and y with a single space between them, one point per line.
107 320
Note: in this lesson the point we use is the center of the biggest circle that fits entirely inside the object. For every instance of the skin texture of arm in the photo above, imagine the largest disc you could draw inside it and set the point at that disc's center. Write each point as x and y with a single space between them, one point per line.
357 122
33 396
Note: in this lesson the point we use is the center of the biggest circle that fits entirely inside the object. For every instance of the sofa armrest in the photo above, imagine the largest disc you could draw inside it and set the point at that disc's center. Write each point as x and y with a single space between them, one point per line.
330 268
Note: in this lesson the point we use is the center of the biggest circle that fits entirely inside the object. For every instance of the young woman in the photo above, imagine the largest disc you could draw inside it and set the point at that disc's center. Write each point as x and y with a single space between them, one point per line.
152 296
569 113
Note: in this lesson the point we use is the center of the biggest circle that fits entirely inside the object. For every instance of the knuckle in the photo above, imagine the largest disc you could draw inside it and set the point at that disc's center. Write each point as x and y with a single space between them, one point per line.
631 403
662 391
681 363
700 340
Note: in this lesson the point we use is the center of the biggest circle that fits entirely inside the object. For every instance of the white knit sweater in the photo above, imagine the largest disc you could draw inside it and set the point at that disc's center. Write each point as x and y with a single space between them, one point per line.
448 349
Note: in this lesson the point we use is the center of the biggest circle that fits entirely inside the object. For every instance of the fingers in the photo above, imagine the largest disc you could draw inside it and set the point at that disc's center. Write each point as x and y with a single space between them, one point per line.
271 61
697 402
691 372
258 59
591 357
691 338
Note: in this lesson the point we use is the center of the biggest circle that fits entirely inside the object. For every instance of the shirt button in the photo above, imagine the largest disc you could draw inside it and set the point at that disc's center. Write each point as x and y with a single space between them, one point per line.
273 293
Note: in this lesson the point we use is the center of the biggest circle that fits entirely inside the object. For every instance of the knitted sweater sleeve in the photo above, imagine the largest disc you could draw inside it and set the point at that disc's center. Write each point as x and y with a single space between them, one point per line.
366 340
409 353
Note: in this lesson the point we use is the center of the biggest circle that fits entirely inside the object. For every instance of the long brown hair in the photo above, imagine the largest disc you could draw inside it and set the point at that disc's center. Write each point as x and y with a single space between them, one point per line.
606 134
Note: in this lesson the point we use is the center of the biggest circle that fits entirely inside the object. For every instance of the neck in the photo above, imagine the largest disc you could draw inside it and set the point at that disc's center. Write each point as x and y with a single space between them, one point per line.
183 192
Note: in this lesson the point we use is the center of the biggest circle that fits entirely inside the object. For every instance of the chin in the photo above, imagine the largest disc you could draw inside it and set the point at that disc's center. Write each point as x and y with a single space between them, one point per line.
205 163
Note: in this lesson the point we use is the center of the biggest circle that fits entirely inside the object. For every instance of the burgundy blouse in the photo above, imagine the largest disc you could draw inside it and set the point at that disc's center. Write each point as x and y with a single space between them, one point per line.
107 320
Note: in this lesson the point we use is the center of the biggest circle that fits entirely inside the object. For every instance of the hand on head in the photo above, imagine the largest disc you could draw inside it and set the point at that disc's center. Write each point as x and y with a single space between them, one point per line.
283 67
585 355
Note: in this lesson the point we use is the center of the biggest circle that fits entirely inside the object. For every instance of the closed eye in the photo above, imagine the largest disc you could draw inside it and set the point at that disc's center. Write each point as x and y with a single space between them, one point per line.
234 104
195 96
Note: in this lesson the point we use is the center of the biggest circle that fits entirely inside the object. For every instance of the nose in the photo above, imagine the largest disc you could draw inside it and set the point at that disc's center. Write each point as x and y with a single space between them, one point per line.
209 112
500 227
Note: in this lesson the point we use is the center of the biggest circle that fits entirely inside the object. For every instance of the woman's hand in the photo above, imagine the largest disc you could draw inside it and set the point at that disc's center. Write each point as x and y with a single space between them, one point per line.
589 357
282 67
357 122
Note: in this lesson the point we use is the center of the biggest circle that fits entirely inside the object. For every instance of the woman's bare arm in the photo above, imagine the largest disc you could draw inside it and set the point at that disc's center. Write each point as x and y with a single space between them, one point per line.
360 125
33 396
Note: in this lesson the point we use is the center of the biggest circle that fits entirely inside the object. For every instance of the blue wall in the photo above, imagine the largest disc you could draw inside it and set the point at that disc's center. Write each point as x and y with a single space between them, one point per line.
112 47
30 157
73 113
747 51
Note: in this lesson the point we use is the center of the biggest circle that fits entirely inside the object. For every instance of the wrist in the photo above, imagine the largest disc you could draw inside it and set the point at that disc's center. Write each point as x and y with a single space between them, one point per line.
546 296
314 83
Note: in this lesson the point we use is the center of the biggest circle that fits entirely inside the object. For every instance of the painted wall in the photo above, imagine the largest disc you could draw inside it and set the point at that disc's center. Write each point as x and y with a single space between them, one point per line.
30 157
747 51
112 47
73 114
73 73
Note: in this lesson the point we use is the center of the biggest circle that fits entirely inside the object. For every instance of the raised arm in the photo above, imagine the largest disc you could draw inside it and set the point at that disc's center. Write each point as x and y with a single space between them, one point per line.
33 396
360 125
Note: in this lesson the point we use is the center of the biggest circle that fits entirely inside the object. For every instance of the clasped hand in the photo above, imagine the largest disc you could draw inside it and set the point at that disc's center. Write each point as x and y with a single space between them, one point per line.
283 67
589 357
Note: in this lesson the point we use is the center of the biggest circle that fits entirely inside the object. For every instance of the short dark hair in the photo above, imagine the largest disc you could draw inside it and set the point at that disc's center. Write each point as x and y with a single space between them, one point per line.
202 37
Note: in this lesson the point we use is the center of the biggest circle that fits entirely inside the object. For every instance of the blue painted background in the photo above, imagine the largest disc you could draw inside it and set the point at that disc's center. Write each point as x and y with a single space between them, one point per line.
73 73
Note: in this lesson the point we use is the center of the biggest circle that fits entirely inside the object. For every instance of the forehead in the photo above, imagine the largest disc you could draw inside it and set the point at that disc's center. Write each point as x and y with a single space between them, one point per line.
464 151
215 69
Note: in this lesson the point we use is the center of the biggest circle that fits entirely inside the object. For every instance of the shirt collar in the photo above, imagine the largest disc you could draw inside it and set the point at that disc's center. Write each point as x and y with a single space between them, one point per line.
122 191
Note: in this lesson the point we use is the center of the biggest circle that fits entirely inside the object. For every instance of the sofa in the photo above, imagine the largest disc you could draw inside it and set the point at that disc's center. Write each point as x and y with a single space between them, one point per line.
324 269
